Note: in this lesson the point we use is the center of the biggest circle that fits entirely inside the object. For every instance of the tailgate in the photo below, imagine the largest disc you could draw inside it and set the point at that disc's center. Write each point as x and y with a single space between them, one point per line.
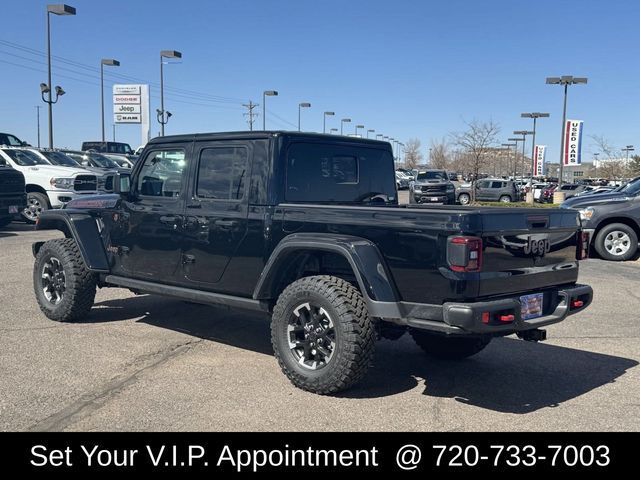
526 250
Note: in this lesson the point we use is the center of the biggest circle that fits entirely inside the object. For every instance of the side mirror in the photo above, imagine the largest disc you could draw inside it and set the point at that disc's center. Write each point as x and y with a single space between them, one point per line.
121 183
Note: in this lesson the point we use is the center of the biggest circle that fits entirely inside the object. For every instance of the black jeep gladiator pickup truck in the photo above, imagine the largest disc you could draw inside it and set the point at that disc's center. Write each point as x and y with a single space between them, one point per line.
307 228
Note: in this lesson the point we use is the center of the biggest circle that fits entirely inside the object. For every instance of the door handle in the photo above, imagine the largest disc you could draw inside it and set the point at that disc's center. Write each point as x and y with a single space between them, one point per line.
226 223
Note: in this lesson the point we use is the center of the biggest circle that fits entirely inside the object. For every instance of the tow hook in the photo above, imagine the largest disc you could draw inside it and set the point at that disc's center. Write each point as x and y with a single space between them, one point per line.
535 335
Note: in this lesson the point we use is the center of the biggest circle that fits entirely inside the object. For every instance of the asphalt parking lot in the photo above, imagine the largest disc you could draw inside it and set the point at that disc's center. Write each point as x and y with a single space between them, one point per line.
152 363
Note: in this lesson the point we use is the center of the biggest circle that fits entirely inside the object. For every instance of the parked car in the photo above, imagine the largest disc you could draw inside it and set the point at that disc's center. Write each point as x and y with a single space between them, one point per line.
432 186
612 220
320 244
108 147
55 157
571 189
547 193
95 160
13 198
538 188
48 186
489 190
8 140
596 190
402 181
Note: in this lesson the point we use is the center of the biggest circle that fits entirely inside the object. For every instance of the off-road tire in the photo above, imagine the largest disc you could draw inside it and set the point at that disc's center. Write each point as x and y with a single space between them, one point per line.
79 282
354 332
601 239
448 348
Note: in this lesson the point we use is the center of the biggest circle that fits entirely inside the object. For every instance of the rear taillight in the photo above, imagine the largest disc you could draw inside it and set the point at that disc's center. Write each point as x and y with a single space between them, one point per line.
464 254
582 249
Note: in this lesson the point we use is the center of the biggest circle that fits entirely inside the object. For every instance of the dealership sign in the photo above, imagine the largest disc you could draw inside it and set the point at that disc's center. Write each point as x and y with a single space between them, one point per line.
538 159
131 105
572 143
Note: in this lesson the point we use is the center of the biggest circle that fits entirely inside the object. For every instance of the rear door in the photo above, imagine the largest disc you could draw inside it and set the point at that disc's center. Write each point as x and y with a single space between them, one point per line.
216 214
482 190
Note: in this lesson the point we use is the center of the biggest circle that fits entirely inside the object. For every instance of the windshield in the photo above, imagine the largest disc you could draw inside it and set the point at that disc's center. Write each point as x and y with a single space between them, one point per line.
24 158
631 188
432 176
7 139
102 161
58 158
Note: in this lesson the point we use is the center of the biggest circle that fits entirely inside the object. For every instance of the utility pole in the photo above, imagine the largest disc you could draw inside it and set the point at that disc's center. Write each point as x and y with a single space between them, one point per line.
250 114
38 107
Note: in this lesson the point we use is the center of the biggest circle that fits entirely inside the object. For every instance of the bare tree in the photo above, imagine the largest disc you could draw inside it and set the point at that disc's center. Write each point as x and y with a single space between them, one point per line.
477 142
412 153
613 166
439 154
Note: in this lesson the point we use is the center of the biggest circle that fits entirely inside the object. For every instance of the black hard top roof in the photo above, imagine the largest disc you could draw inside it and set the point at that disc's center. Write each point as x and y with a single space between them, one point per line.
263 134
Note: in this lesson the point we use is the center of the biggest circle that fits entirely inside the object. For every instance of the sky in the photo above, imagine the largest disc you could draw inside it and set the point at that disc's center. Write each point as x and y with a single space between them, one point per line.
408 69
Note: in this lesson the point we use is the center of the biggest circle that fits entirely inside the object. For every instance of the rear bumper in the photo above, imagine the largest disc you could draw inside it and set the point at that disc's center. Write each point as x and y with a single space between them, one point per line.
459 318
18 200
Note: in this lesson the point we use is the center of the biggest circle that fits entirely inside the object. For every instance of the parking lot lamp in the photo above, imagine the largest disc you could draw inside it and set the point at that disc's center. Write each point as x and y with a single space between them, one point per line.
58 9
324 120
379 136
516 140
342 122
565 80
524 134
357 128
333 130
627 149
371 130
112 63
300 107
163 116
535 116
265 94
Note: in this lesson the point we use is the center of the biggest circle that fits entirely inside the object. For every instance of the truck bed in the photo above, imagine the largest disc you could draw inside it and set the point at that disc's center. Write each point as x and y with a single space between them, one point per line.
413 242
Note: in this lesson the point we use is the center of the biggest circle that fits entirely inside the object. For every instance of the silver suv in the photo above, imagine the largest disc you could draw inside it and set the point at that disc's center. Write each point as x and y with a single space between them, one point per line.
489 190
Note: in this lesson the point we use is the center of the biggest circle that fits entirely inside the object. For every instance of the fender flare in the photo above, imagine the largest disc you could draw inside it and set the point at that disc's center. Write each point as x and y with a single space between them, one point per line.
364 257
83 228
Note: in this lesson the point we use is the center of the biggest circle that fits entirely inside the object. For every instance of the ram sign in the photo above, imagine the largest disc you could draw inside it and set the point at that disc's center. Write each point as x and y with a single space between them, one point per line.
131 105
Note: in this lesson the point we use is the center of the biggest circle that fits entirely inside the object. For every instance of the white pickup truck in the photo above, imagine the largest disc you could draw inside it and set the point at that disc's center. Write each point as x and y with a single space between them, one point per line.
47 186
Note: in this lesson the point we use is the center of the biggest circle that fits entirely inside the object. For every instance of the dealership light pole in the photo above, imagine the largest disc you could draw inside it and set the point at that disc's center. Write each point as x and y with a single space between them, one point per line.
627 149
342 122
565 80
112 63
357 128
524 134
535 116
265 94
38 107
508 146
371 130
59 9
379 136
333 130
516 140
324 120
300 107
163 116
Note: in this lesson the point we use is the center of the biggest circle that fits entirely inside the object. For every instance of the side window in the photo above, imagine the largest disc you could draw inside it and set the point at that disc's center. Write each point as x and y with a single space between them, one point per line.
483 184
161 174
496 184
222 172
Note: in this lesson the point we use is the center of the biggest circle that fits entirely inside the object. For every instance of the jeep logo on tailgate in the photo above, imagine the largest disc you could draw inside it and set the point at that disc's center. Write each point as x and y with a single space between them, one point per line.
537 247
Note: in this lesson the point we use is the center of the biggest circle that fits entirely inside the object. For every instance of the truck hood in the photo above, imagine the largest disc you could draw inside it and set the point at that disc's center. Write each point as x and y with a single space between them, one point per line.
53 170
595 199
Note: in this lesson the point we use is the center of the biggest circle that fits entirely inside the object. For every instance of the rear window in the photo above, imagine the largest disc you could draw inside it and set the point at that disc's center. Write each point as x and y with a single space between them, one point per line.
498 185
339 174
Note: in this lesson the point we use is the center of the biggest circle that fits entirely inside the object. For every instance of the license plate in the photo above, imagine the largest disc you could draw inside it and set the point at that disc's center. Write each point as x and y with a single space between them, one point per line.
13 209
435 199
531 306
